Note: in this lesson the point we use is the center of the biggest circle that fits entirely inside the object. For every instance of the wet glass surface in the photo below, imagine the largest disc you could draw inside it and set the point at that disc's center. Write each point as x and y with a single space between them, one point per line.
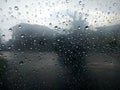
59 45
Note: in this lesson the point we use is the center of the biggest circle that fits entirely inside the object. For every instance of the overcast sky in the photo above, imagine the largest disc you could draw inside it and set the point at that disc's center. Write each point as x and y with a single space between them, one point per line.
43 12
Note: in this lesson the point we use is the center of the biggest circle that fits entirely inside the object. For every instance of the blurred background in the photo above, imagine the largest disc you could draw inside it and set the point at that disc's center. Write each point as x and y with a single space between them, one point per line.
59 44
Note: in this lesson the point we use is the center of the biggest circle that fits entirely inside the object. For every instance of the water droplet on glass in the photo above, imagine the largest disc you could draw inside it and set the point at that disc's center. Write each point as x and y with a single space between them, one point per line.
3 35
31 48
50 23
78 27
86 27
58 40
22 36
83 5
19 49
80 2
21 62
95 21
108 12
56 27
10 29
9 47
114 4
19 26
16 8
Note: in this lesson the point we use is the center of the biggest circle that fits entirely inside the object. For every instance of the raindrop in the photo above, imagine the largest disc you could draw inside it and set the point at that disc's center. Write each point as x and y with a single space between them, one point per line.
56 27
78 27
93 38
31 48
44 39
16 8
83 5
21 62
3 35
80 2
34 40
86 27
3 45
19 26
114 4
95 21
15 54
58 40
9 47
108 12
50 23
19 49
22 36
10 29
